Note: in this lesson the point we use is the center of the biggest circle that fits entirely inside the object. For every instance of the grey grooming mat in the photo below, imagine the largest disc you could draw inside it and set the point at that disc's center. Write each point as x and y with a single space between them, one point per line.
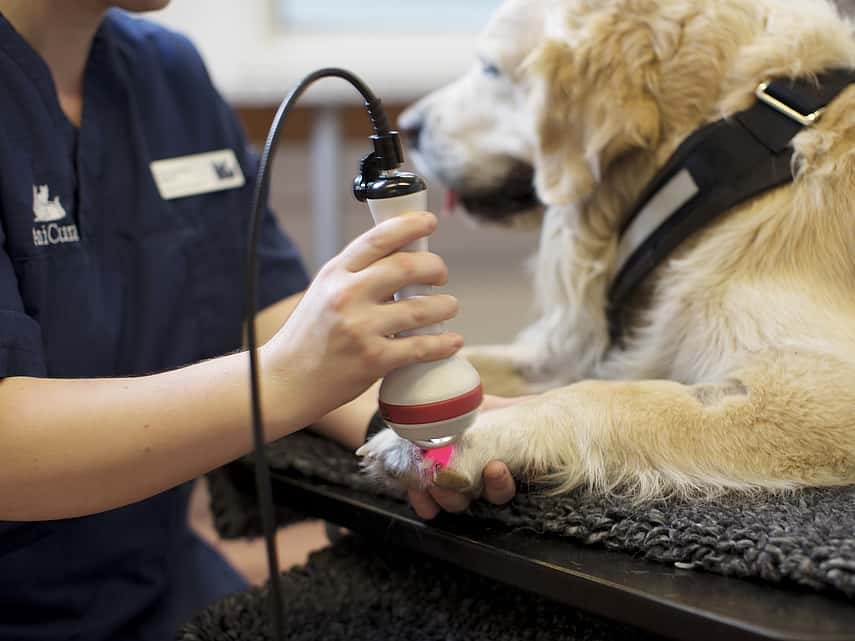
788 560
355 592
803 540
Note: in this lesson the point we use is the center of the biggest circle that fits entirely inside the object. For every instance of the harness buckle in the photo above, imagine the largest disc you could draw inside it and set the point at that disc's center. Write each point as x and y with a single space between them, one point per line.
805 120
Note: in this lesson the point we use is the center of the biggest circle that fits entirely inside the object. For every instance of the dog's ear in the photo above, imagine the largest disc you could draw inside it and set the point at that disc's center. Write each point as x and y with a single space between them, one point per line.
595 102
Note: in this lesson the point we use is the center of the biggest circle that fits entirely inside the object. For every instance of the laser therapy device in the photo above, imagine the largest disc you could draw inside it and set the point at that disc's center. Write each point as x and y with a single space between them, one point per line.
429 404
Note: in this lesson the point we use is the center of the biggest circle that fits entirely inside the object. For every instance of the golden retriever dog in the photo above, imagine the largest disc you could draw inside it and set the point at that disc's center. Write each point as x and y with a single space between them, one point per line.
736 370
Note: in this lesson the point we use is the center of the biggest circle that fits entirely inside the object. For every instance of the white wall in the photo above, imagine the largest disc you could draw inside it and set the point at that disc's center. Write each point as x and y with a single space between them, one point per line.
254 60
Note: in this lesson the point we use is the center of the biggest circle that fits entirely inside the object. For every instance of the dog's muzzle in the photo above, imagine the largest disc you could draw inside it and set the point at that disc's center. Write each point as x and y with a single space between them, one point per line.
515 195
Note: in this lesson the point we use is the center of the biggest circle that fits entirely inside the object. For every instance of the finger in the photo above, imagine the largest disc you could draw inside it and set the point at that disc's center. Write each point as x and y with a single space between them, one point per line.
499 486
414 313
407 350
449 500
423 504
390 274
386 238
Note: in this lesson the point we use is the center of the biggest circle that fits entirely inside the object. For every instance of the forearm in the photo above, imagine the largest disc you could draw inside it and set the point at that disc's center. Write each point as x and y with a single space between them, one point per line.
347 424
270 319
75 447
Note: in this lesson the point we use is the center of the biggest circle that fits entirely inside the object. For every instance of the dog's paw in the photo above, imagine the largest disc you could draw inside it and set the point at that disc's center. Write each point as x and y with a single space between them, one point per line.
395 461
399 463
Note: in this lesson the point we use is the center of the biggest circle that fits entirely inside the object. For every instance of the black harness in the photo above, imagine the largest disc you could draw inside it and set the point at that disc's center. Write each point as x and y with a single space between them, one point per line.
718 167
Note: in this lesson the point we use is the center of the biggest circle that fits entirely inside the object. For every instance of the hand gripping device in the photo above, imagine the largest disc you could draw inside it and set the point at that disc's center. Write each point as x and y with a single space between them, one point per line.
430 404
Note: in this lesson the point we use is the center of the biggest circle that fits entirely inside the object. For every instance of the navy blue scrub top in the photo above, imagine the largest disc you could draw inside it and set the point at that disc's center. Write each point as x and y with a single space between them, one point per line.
100 277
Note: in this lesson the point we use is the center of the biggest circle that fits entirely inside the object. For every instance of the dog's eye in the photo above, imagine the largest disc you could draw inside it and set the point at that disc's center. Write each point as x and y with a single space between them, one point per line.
489 69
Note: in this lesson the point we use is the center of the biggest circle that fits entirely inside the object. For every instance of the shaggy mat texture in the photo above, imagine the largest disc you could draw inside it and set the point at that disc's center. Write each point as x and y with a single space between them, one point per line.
804 539
352 592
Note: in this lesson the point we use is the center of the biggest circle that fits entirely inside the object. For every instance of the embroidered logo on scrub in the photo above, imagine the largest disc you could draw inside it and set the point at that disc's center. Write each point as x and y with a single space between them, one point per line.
46 231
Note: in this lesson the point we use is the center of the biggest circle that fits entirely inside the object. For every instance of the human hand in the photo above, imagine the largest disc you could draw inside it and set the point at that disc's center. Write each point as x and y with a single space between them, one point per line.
499 486
339 339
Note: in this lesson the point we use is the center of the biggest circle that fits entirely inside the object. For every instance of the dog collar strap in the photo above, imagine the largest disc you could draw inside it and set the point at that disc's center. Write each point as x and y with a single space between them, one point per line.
716 168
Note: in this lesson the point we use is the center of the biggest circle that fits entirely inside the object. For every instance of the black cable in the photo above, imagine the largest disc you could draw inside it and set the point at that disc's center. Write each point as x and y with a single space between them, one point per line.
380 125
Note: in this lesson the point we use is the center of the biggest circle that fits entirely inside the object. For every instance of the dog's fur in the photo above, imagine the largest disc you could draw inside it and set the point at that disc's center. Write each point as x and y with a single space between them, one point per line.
738 368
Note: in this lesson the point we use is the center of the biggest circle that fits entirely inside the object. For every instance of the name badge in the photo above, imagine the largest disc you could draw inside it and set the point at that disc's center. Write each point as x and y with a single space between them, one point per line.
197 174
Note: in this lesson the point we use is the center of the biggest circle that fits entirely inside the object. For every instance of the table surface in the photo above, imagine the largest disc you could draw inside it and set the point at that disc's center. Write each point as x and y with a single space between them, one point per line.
663 599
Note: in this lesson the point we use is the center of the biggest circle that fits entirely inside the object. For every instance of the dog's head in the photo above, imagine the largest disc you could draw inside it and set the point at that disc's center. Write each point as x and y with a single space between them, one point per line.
567 90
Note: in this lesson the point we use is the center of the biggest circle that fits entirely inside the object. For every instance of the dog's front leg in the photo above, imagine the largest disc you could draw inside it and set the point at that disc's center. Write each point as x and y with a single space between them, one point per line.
786 420
523 435
502 368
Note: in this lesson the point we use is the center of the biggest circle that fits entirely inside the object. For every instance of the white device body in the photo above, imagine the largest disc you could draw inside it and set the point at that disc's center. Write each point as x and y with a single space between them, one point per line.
425 384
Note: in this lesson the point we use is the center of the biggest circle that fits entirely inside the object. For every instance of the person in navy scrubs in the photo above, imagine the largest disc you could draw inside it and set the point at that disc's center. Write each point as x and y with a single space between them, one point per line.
125 186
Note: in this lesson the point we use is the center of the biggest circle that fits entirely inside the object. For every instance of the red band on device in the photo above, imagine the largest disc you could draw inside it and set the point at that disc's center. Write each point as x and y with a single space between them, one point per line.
433 412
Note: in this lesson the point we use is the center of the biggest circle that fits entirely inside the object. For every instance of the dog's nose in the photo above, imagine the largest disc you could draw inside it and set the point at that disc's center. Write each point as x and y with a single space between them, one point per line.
412 133
410 124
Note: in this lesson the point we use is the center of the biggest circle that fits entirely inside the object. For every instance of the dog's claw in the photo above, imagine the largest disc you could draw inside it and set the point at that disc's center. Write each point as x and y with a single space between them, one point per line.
451 480
364 451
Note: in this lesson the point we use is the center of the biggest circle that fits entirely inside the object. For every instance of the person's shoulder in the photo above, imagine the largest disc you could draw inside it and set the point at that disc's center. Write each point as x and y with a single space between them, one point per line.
146 44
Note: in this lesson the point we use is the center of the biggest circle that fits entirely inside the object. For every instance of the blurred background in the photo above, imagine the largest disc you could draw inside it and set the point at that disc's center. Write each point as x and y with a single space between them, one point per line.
256 51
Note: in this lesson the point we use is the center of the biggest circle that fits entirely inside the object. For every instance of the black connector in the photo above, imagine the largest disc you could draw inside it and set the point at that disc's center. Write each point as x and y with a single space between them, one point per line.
388 149
374 107
387 156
